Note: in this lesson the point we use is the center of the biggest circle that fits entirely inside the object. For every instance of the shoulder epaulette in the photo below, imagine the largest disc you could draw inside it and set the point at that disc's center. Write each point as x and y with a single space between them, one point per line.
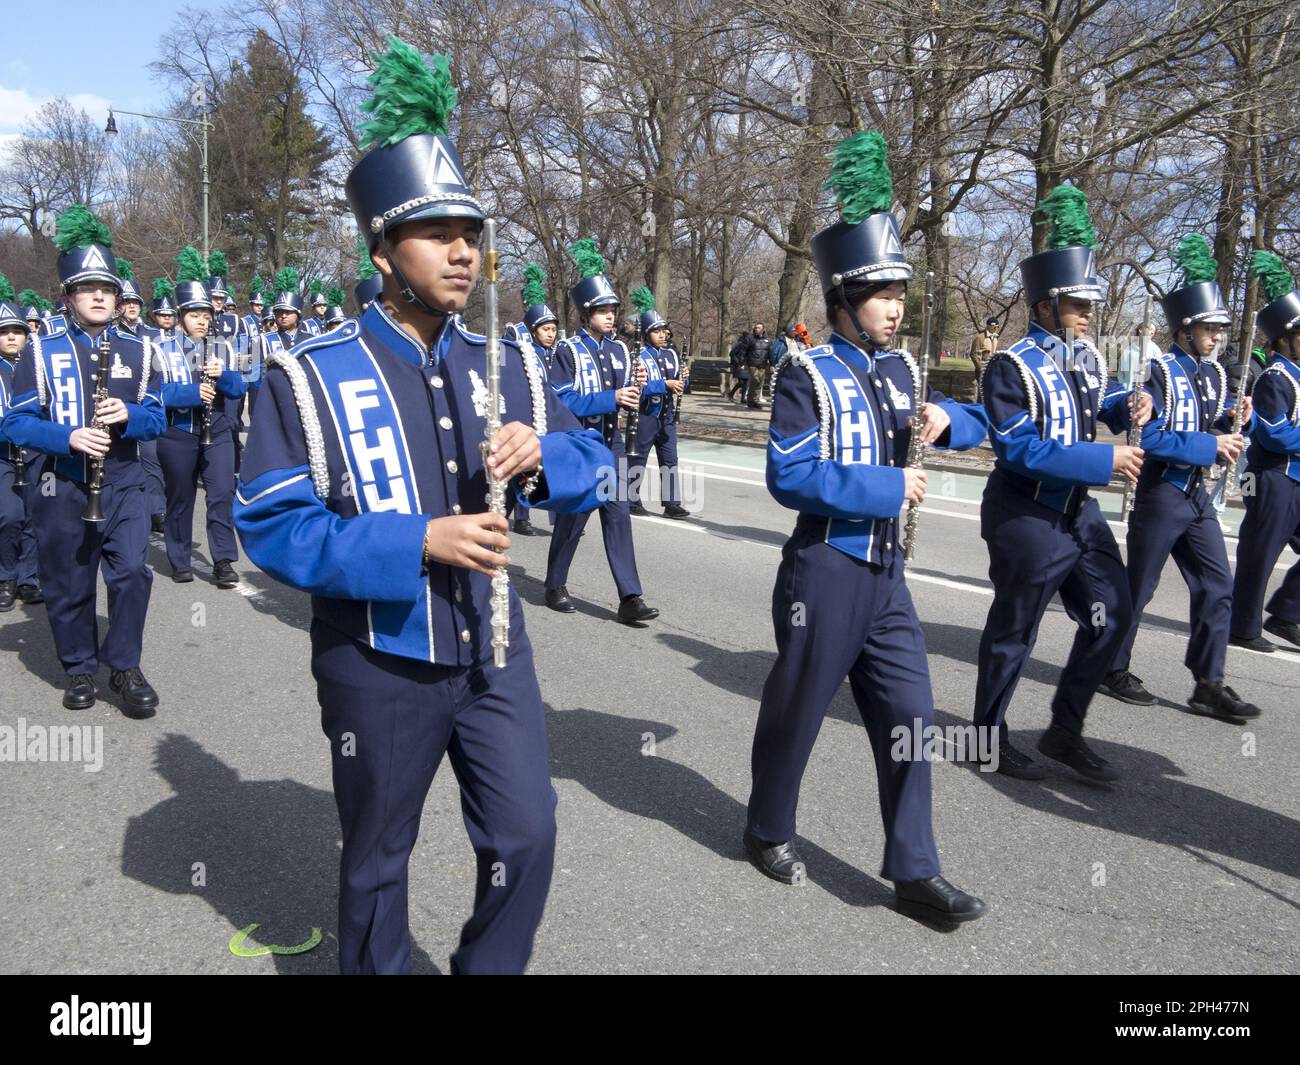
308 417
1280 369
348 330
536 386
473 338
1014 355
821 394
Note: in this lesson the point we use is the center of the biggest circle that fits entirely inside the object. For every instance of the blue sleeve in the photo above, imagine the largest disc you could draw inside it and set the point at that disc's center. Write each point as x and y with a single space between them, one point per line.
1018 446
1114 413
1272 402
176 394
1183 449
26 424
575 465
969 423
147 420
800 479
562 381
231 383
287 530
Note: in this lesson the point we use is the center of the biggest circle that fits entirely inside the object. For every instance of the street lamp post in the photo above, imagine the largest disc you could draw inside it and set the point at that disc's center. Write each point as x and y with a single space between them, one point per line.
205 125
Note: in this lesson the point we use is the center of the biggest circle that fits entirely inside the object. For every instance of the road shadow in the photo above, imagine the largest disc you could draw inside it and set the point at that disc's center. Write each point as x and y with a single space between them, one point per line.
603 753
25 634
291 606
774 537
269 848
533 592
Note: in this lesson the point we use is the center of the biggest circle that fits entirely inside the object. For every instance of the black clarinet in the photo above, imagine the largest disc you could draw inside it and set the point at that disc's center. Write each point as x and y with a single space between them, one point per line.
94 511
683 375
205 437
632 416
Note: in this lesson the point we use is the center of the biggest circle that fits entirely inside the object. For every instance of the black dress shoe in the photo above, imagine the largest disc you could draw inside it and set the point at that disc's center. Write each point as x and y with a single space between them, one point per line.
182 576
780 861
523 527
936 898
139 700
1122 685
224 575
1253 643
6 595
30 594
558 599
676 510
1063 746
638 509
80 693
1218 700
1015 763
633 608
1287 630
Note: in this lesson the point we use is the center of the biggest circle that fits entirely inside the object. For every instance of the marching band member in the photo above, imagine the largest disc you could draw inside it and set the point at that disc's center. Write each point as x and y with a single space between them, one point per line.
1190 430
1273 467
842 416
539 326
225 323
1045 533
130 305
315 324
193 396
658 422
18 577
256 303
363 483
591 372
162 311
55 410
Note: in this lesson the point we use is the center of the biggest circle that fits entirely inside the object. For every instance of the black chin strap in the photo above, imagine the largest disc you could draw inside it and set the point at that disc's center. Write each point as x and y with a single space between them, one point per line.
408 293
851 311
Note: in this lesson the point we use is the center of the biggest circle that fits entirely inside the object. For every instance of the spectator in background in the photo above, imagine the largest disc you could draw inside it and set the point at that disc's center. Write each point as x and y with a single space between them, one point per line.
755 352
984 345
787 343
739 369
1135 354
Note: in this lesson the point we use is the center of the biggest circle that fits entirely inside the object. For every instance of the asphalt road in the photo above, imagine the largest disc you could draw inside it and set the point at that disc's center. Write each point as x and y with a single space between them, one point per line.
217 813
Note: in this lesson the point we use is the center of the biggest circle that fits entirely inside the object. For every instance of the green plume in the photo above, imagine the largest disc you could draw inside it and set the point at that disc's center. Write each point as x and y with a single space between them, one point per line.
365 268
587 257
1196 259
257 287
190 265
217 265
125 271
163 288
643 299
78 228
286 280
410 96
534 290
28 298
1066 208
45 305
6 289
860 176
316 286
335 296
1272 274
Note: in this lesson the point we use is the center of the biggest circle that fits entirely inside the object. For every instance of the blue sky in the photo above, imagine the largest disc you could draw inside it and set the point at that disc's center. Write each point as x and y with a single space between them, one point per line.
89 56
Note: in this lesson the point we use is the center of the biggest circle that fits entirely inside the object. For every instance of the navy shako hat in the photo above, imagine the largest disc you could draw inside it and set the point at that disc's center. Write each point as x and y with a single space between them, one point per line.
163 291
85 249
644 301
1199 298
334 312
411 169
218 268
126 274
191 288
864 246
1281 315
32 313
533 294
287 296
1069 265
594 288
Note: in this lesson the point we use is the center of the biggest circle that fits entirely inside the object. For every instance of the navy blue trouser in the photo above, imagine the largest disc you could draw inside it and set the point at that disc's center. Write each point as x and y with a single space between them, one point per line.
153 477
661 434
17 538
1272 521
837 616
1034 553
389 721
70 554
1166 522
615 526
184 462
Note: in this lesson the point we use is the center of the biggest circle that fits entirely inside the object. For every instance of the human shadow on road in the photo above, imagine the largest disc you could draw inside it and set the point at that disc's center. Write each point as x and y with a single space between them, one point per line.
289 605
533 592
603 753
29 639
1154 801
269 848
775 537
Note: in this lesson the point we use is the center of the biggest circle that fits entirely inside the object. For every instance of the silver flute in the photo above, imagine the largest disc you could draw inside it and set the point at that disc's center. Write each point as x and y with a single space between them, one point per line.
496 496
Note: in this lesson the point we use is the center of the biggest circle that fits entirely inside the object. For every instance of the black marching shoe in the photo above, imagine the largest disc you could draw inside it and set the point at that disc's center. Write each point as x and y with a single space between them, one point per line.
780 861
80 693
937 899
523 527
30 594
1287 630
1063 746
558 599
139 700
676 510
224 575
1122 685
1015 763
633 608
638 509
6 595
1253 643
182 576
1218 700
